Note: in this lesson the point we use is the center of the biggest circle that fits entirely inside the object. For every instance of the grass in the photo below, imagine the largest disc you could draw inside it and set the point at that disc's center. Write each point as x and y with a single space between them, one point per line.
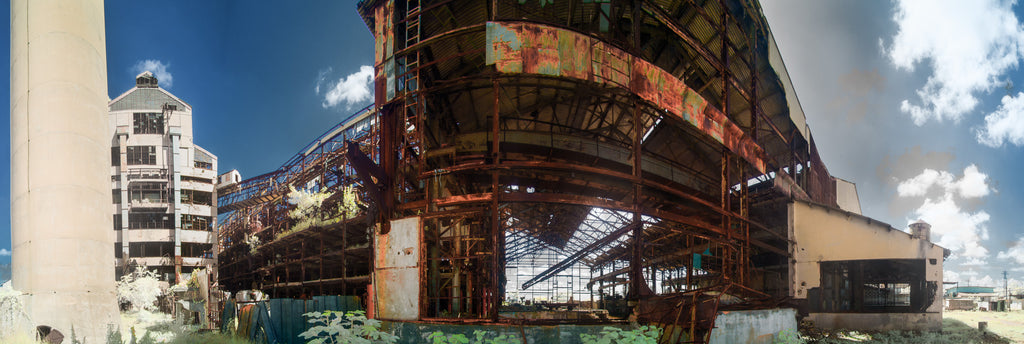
954 331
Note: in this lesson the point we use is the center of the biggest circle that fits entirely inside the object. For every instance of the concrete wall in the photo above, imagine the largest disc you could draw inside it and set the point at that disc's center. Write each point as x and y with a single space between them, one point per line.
754 327
60 166
828 234
846 196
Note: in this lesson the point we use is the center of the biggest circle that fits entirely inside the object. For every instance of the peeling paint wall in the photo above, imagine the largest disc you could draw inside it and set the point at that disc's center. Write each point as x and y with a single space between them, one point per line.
756 326
829 234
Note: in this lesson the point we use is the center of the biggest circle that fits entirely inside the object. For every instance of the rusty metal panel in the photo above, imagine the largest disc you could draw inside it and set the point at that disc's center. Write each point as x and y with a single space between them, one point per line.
518 47
396 275
535 49
383 33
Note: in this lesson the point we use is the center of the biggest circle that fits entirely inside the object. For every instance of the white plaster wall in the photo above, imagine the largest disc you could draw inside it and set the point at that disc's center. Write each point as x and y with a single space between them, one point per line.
61 226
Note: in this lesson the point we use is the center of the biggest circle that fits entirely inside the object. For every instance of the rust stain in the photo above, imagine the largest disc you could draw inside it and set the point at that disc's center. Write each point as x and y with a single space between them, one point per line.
538 49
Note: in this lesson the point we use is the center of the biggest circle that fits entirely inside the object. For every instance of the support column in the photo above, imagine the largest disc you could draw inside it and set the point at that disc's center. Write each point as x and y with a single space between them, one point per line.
61 223
176 165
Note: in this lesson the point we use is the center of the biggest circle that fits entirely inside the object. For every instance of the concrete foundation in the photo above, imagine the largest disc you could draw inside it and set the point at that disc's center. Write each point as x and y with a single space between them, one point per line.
754 327
60 161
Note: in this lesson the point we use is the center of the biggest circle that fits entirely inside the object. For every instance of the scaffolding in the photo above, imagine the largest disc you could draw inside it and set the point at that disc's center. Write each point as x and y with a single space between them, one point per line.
573 161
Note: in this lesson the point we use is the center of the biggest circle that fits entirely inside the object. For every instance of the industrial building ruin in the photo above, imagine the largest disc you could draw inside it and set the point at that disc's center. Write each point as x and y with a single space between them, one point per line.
162 184
579 161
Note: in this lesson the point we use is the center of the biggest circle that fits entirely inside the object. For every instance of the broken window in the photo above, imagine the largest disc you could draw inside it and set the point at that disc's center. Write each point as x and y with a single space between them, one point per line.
149 193
141 155
196 250
196 197
149 123
139 220
196 222
151 249
874 286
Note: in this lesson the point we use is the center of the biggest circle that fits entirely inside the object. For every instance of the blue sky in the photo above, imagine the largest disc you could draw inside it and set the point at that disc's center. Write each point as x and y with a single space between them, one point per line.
922 115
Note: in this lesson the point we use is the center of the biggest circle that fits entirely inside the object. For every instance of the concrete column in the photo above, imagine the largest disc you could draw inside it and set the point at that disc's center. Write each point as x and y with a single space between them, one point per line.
61 226
176 165
122 140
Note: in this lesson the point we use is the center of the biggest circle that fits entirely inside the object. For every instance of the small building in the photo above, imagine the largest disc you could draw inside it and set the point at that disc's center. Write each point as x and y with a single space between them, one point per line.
853 272
164 200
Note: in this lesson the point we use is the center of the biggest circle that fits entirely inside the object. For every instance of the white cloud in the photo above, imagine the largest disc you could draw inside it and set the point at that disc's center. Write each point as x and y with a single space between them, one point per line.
972 185
163 77
1015 252
954 228
353 89
1006 124
5 252
969 57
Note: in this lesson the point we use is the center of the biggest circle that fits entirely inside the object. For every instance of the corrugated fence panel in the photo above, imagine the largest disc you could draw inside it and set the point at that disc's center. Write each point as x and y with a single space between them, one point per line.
280 321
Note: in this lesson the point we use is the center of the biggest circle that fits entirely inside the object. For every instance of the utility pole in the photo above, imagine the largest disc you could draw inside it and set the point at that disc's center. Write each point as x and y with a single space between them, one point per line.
1006 288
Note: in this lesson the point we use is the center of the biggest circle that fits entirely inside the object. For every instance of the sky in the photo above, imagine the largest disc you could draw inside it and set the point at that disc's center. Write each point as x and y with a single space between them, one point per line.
921 113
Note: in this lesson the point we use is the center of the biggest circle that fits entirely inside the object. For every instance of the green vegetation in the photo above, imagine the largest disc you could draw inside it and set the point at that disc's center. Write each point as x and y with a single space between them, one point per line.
335 327
479 337
615 335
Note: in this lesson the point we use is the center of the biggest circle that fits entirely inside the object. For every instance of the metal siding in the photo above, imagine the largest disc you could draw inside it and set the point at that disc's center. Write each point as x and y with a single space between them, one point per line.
537 49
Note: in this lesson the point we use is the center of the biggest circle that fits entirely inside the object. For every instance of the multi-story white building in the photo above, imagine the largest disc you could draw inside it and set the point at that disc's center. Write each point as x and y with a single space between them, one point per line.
164 195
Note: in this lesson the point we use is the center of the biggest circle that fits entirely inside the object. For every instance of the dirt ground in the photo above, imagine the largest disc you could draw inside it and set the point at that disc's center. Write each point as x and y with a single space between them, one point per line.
1009 325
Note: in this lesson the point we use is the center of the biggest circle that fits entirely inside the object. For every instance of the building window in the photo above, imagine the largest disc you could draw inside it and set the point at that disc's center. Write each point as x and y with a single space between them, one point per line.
149 193
203 165
150 221
196 222
116 195
195 197
196 179
115 156
149 123
151 249
117 222
141 155
196 250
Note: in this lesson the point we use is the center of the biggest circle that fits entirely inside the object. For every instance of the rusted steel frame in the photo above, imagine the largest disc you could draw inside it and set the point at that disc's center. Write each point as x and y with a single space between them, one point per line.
664 18
576 256
636 262
422 10
497 231
590 169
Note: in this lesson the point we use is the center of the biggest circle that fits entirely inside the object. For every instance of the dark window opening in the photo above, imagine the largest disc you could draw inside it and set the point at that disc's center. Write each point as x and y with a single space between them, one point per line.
117 222
196 250
196 197
118 252
141 155
115 156
203 165
148 123
151 249
150 221
116 195
874 286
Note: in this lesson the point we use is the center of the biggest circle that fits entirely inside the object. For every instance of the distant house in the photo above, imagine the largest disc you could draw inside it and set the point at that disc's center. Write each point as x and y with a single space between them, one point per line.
969 297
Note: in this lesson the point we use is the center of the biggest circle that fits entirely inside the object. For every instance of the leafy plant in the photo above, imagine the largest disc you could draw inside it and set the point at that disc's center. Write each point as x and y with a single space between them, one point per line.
479 336
334 327
788 336
615 335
